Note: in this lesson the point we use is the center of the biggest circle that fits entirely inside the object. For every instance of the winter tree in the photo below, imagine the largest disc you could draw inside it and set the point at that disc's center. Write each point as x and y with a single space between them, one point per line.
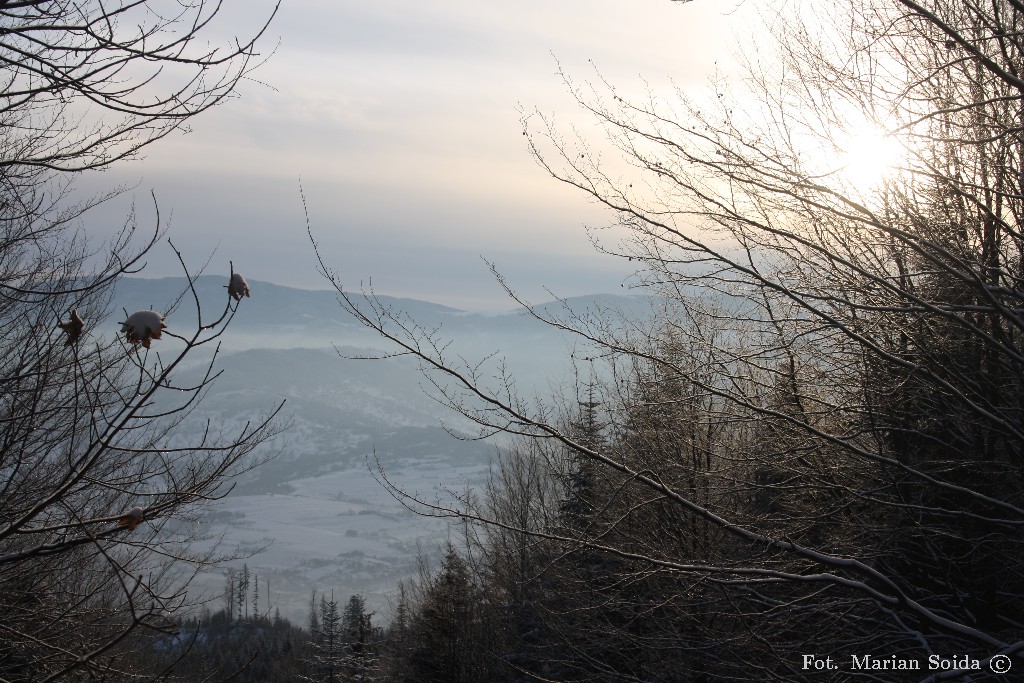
448 643
327 643
242 594
99 485
362 641
256 597
230 586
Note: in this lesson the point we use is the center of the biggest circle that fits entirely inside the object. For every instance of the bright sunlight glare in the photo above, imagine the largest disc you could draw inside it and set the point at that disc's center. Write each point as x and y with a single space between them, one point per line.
868 157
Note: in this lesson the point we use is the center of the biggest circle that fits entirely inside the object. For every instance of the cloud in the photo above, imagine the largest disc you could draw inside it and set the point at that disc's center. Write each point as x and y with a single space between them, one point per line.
401 118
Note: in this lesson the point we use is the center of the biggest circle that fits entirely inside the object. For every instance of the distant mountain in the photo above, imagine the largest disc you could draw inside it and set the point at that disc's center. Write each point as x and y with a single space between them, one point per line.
277 317
319 313
280 316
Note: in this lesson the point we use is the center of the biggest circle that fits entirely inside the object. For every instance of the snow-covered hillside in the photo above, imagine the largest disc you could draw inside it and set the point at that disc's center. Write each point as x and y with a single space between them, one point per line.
320 518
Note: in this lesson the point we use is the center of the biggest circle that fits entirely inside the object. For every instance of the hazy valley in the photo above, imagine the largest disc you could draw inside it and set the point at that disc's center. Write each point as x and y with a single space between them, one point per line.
316 511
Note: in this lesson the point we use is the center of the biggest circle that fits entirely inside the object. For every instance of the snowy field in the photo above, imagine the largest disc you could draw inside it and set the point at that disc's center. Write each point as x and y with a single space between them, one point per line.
341 531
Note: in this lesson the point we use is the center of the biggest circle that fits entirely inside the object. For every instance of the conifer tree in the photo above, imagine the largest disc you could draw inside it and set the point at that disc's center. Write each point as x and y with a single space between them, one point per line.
327 643
450 643
256 598
313 615
361 642
242 594
230 587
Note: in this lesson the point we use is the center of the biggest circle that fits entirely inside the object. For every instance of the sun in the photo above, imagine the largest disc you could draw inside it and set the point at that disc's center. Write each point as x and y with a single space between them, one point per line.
868 156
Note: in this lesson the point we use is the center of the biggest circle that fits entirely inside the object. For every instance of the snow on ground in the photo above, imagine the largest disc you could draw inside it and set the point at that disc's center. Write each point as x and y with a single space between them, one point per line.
340 531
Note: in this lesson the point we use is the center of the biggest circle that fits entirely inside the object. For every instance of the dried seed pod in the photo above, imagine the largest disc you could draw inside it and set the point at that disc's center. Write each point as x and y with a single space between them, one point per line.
142 327
131 518
238 287
72 327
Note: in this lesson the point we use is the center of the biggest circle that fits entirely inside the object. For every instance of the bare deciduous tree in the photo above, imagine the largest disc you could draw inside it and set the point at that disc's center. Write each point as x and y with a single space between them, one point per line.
103 469
88 83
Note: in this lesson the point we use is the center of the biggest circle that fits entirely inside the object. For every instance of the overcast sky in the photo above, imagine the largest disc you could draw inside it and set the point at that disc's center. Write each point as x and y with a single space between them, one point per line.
402 119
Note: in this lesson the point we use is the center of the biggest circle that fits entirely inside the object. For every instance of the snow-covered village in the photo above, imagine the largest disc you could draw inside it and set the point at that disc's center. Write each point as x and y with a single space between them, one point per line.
467 342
